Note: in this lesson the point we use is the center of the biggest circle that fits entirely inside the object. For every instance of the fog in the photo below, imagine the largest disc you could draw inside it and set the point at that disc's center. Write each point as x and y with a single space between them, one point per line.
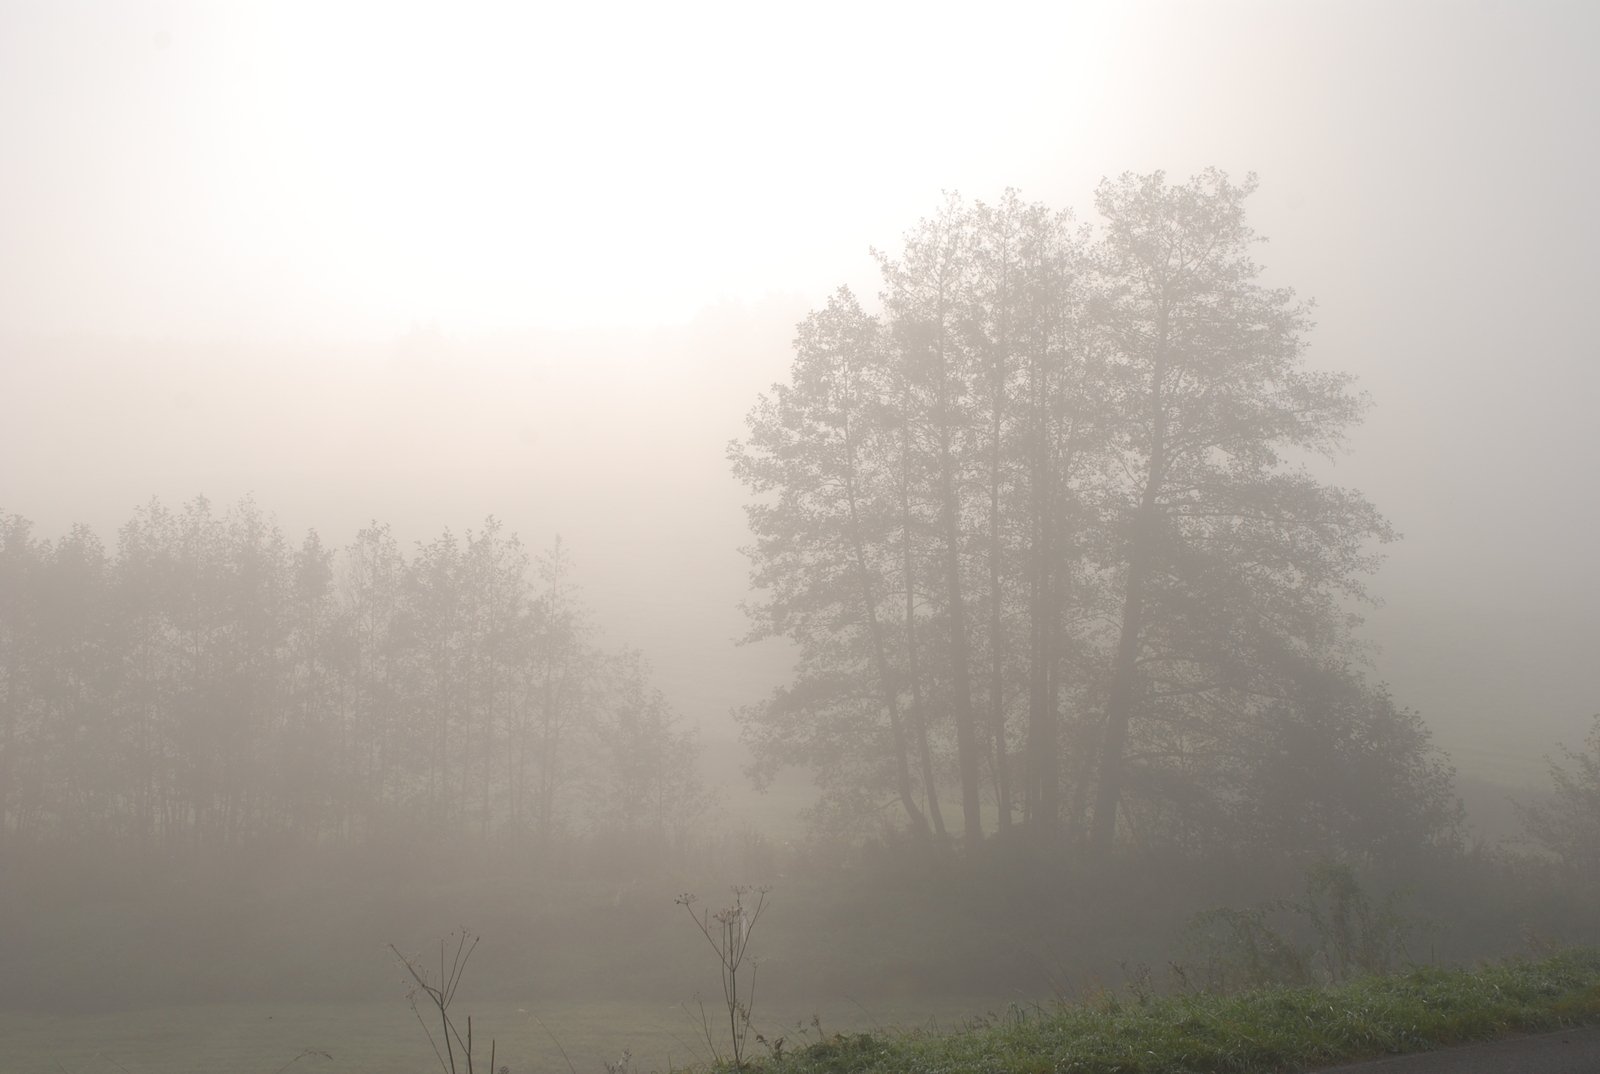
367 265
425 265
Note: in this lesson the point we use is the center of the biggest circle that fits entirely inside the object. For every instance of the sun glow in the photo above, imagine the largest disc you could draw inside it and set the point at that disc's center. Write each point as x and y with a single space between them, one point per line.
476 174
364 168
351 170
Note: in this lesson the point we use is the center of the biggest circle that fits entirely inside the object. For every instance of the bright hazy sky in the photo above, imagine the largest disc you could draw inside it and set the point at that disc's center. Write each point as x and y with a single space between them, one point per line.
349 169
427 262
327 169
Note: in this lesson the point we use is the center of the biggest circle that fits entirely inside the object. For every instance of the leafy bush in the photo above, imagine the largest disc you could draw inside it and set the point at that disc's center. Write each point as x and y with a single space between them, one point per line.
1346 936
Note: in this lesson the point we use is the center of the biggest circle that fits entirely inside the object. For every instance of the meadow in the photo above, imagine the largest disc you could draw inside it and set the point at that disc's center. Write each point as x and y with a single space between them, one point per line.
273 965
1267 1029
383 1037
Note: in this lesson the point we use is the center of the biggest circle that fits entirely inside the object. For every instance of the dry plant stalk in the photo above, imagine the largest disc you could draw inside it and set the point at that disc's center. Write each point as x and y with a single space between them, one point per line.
440 996
728 932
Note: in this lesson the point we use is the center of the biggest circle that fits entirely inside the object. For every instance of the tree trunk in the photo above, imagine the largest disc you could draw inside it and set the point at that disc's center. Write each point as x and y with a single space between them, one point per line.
997 710
902 771
918 713
1124 676
1119 706
960 650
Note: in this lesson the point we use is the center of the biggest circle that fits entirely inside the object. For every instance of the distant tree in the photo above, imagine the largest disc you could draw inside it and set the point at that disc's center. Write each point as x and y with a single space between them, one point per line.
81 751
210 688
822 455
1568 826
58 742
317 750
370 649
560 672
495 577
646 792
141 595
18 561
431 618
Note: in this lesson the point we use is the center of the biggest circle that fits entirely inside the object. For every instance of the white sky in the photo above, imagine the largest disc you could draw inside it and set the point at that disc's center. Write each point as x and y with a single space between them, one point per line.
425 262
336 169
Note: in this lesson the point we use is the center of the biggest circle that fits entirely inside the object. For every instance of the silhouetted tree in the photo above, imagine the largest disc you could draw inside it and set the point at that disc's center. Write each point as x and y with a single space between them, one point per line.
824 448
1568 826
646 794
211 688
558 688
925 292
1222 544
1050 505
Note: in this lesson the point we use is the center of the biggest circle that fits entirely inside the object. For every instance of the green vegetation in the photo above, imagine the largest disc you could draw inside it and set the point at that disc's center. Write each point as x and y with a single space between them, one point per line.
1270 1029
1568 825
1127 1030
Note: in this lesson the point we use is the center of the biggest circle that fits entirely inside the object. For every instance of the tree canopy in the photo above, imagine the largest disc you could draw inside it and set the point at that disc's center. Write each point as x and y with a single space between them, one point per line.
209 685
1045 530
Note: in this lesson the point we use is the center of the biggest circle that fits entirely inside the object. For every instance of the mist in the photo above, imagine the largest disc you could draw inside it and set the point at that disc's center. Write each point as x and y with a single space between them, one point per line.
433 269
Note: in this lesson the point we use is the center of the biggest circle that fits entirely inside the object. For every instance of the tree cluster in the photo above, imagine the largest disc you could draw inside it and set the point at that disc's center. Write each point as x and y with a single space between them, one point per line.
208 685
1045 533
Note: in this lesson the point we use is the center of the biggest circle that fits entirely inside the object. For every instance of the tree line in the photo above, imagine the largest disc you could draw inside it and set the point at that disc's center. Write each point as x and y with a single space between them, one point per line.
1045 532
209 685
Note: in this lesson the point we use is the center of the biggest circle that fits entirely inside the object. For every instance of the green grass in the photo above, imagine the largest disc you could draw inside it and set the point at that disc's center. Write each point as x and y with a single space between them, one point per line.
1270 1030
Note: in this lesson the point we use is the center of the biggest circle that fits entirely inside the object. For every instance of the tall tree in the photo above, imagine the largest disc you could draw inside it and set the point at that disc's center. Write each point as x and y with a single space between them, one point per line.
495 578
371 587
647 792
924 292
997 326
1211 400
560 680
210 688
1054 496
821 447
18 563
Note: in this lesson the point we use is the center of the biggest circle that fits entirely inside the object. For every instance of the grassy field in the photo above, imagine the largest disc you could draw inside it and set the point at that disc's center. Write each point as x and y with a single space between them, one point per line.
1266 1031
272 965
1127 1032
384 1038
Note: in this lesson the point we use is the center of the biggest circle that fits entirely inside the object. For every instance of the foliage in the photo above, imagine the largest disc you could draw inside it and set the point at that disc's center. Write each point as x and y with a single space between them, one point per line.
1259 1031
1332 933
1238 949
1354 936
208 686
1568 826
1042 532
645 793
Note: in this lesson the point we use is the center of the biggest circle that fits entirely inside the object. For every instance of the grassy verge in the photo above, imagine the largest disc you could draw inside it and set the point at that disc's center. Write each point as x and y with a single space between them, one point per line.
1270 1030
